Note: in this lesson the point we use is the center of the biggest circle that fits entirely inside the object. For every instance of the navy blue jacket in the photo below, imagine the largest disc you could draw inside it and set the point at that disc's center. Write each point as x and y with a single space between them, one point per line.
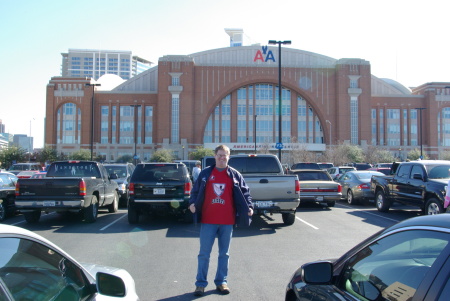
241 195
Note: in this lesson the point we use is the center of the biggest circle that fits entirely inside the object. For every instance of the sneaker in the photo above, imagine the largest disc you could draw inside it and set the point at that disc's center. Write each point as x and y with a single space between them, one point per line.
199 291
223 289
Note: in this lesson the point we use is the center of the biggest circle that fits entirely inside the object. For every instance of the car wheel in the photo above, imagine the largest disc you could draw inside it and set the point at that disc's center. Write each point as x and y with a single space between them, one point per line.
133 215
2 212
115 204
350 198
32 217
288 218
91 212
382 204
433 207
331 204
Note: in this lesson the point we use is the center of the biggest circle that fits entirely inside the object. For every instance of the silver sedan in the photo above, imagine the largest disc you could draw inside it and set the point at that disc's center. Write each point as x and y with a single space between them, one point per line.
356 185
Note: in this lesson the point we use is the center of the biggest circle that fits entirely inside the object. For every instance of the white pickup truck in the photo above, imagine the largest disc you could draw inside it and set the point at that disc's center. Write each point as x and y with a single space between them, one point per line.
272 191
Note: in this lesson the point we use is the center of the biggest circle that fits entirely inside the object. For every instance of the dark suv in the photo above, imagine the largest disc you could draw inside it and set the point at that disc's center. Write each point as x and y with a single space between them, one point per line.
160 189
122 173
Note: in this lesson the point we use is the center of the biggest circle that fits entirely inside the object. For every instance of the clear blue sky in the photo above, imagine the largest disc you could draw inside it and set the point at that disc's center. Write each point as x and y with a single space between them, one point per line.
405 40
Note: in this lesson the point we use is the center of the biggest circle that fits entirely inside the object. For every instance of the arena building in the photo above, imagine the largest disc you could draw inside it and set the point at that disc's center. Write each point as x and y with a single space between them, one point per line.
230 96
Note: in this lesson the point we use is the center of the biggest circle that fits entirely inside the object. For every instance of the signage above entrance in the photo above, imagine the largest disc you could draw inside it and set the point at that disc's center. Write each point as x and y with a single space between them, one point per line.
264 55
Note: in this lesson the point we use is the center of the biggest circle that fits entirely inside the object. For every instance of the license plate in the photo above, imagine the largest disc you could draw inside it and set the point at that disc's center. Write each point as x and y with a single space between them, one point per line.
264 204
49 203
159 191
319 198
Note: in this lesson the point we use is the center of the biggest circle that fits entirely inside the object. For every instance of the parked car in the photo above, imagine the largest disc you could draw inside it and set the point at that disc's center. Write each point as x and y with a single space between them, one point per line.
383 170
317 186
407 261
337 171
305 165
7 194
18 167
33 268
123 172
382 165
325 165
39 175
27 174
159 189
361 166
356 185
421 184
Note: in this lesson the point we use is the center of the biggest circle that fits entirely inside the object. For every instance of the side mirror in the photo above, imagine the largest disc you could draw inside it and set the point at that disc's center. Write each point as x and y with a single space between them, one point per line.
319 272
110 285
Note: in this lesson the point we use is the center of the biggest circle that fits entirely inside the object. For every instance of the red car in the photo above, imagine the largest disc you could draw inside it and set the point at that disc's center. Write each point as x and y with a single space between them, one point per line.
27 174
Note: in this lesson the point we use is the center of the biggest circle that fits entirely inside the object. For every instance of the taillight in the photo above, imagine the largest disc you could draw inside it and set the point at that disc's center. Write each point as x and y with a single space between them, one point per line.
297 187
339 188
131 188
187 188
17 188
82 186
364 186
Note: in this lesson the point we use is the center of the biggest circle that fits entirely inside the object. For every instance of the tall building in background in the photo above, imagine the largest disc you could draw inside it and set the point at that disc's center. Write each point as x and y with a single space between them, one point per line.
23 141
95 62
2 127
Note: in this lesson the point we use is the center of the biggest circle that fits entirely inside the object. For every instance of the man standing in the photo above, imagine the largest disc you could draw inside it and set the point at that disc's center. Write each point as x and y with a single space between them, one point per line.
219 200
196 170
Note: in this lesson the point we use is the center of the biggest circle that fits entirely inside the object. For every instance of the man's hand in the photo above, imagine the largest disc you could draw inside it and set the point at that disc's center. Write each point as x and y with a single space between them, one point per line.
192 208
250 211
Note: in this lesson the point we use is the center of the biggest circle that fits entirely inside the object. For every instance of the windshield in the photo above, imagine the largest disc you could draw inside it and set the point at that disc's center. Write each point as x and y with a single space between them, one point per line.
120 171
438 171
368 175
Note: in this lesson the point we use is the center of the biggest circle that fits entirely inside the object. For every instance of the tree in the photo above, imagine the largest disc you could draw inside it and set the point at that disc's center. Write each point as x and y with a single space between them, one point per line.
12 155
415 155
82 154
201 152
125 159
162 155
48 154
374 154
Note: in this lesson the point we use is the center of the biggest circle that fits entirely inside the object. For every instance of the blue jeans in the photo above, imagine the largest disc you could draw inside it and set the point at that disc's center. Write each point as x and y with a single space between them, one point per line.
208 233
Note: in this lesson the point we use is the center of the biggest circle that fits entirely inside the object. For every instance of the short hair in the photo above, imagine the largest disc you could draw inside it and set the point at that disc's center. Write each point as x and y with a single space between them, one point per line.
198 163
222 147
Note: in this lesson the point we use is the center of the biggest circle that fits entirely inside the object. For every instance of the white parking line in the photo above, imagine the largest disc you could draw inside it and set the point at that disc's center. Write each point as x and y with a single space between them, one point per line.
306 223
370 213
110 224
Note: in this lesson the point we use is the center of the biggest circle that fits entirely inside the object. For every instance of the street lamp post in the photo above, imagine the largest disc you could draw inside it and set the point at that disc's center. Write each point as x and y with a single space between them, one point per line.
92 116
30 144
330 130
274 42
420 126
135 157
254 136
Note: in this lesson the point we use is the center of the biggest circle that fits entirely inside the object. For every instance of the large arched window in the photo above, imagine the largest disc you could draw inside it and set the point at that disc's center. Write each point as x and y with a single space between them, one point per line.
257 107
444 127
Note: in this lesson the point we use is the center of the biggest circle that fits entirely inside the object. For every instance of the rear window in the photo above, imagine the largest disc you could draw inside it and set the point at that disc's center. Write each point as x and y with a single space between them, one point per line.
304 165
159 172
73 169
312 176
325 165
119 170
255 164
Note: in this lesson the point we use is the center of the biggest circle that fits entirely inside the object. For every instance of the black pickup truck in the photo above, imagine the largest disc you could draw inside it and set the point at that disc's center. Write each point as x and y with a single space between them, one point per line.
420 184
69 186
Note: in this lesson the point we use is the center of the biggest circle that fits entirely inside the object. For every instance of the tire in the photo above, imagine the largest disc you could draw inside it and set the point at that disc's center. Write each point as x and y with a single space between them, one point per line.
32 217
2 212
331 204
133 215
381 202
350 198
432 207
91 212
114 206
288 218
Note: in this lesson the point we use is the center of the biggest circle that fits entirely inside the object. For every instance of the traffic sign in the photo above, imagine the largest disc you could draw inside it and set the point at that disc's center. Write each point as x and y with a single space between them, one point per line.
279 145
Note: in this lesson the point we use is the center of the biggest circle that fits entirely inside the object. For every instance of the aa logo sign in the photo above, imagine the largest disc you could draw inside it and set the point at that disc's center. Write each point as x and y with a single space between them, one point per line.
264 55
